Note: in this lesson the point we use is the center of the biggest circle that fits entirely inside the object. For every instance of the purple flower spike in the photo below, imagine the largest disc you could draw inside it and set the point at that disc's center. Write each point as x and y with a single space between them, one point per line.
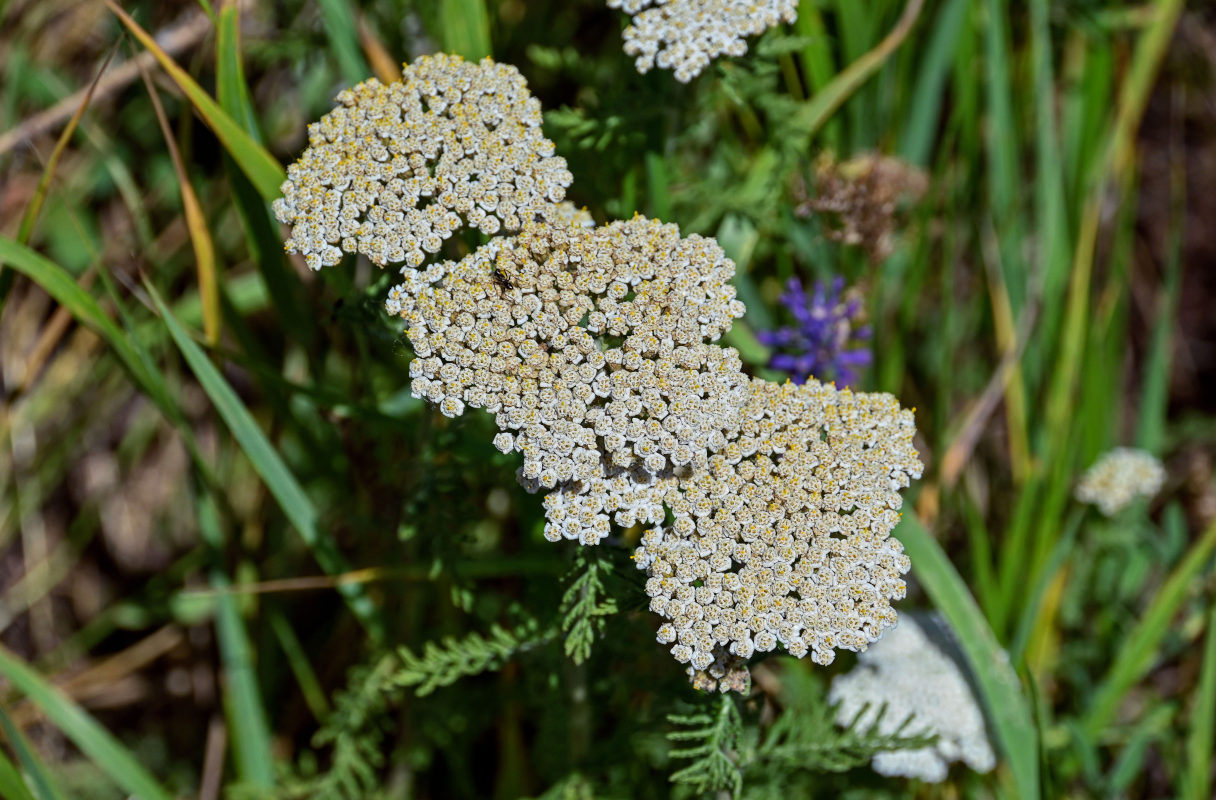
825 339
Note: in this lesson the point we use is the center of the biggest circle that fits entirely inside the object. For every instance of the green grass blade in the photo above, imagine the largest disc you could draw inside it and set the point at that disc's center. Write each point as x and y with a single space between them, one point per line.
263 170
817 65
301 667
230 88
59 284
26 229
1033 600
1154 392
1140 646
923 115
11 783
94 741
1050 214
1008 709
657 181
344 39
464 28
261 233
820 107
196 223
39 779
282 484
243 704
1201 741
1131 762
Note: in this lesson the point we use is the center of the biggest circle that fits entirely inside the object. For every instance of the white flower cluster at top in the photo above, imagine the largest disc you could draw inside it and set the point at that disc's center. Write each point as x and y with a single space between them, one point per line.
769 507
913 676
1119 477
685 35
395 170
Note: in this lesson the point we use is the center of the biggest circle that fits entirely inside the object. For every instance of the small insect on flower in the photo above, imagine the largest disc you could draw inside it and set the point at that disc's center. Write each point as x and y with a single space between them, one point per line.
502 280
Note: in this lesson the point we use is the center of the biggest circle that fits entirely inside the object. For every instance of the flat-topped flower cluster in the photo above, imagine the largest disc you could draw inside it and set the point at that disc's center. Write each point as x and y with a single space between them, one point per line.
395 170
685 35
1119 478
767 508
916 672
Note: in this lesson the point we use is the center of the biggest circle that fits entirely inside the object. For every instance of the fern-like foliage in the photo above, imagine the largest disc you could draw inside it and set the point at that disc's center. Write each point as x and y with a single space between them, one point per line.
804 739
354 731
584 605
574 786
727 754
711 741
452 659
354 734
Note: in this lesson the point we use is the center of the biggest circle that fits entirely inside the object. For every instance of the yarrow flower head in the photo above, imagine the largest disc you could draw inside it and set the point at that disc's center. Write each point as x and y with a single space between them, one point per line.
785 539
517 328
769 507
825 338
915 672
1118 478
396 169
685 35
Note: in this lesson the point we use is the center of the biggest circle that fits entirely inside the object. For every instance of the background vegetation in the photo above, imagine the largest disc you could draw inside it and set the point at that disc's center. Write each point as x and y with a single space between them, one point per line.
237 559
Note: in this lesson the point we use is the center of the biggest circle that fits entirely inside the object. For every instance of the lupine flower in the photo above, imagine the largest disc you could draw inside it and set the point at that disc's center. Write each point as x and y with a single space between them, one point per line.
1119 477
914 675
396 169
685 35
824 340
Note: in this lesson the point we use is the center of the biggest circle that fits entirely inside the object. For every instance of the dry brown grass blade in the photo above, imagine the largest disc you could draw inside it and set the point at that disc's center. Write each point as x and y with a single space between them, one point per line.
48 340
213 760
98 678
196 222
187 31
306 584
44 183
384 65
1006 380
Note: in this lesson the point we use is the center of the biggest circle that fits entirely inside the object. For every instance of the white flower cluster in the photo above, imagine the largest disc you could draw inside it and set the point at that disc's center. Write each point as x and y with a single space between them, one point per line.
785 539
516 328
396 169
1118 478
685 35
913 676
727 673
769 506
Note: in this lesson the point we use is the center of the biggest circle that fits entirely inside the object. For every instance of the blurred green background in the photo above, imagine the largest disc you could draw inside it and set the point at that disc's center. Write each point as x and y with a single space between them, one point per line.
222 514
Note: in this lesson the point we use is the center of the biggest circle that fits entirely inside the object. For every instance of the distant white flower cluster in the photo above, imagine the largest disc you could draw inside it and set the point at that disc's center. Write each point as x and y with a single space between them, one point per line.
914 676
768 507
685 35
1120 477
